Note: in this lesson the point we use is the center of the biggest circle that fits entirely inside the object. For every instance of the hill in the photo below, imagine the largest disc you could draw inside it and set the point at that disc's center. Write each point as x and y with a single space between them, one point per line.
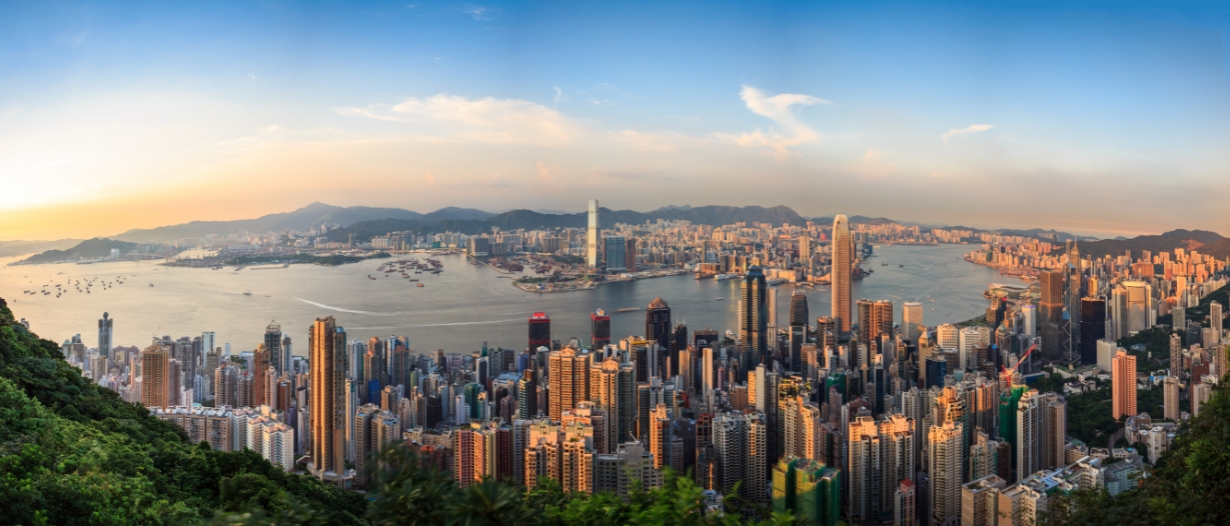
88 249
17 248
72 452
529 219
1205 242
305 218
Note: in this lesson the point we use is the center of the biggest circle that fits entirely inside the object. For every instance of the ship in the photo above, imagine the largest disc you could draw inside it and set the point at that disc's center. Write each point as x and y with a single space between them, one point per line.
420 284
722 277
775 281
628 309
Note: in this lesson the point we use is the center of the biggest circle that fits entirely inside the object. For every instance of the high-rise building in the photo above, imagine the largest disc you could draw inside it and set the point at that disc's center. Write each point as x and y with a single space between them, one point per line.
945 470
620 471
1093 328
1215 323
979 500
273 344
1050 310
741 443
567 375
1029 320
613 389
1123 385
1170 398
753 318
1118 313
155 376
527 396
658 326
905 506
798 329
911 320
600 329
592 257
840 276
806 488
327 344
614 258
540 332
106 333
880 455
1139 306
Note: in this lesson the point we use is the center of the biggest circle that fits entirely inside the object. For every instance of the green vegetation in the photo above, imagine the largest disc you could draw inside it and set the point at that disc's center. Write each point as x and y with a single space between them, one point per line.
568 260
1089 417
72 452
1190 485
331 260
1157 344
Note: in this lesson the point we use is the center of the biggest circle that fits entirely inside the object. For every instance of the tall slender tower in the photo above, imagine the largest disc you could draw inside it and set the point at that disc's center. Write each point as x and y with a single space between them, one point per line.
327 363
592 258
798 329
273 344
658 329
105 328
840 276
754 318
1123 385
155 369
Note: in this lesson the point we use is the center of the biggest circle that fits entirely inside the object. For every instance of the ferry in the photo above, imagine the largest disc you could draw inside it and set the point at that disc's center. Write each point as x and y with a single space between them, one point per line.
775 281
420 284
723 277
628 309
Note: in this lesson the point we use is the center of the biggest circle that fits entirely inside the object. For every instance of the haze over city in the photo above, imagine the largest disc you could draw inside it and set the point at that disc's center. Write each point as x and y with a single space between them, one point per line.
1102 119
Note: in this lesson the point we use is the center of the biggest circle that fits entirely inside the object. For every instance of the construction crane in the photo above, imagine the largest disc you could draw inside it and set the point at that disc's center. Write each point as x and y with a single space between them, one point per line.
1009 372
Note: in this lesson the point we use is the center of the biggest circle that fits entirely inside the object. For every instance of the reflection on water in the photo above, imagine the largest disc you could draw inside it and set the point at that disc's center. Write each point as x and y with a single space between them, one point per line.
456 310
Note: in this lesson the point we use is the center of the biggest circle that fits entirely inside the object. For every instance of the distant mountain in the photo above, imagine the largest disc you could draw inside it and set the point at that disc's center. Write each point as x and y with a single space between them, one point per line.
1205 242
304 218
17 248
88 249
455 213
529 219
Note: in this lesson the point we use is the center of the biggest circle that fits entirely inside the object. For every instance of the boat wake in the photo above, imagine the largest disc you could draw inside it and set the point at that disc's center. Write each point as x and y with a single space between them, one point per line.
339 309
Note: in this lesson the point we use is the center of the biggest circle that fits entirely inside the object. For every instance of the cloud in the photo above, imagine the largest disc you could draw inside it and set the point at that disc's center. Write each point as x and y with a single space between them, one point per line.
658 142
429 179
874 165
478 12
546 173
559 93
778 108
489 120
973 128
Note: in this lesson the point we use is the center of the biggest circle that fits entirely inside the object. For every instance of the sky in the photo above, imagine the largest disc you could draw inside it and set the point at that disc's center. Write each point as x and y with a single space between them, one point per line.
1105 118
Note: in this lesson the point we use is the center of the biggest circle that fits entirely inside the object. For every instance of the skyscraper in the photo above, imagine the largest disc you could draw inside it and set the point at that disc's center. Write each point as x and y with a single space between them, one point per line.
807 488
613 257
155 371
567 374
1050 310
527 396
600 329
106 333
1123 385
592 257
273 344
327 357
613 389
911 319
946 464
754 323
1170 398
1215 323
840 276
1093 328
540 332
798 329
658 326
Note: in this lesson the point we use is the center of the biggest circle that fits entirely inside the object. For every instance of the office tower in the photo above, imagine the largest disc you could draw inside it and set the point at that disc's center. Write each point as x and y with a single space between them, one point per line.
866 321
1139 306
1054 431
567 373
840 275
659 437
911 320
880 455
947 336
704 337
658 329
1201 392
527 396
592 257
1029 320
540 332
772 306
613 254
155 371
1178 317
753 318
798 329
945 468
260 362
1119 312
1170 398
1050 310
1215 323
106 332
613 389
905 504
273 345
600 329
826 334
620 471
1176 355
806 488
1093 328
1123 385
327 344
1029 436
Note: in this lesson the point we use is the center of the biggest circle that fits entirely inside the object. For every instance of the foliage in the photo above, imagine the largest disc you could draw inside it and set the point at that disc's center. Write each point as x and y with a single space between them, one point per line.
1157 344
72 452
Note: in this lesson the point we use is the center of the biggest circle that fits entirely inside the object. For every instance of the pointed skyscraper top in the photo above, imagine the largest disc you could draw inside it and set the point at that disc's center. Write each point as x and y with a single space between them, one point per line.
658 303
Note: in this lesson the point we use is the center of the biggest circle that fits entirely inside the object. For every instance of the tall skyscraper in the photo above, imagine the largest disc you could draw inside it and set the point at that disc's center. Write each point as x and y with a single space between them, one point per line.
1093 328
155 373
592 257
1170 398
1050 310
840 275
527 396
1123 385
807 488
798 329
911 320
1215 322
600 329
946 464
754 322
567 374
613 389
614 258
540 332
327 357
260 362
106 334
658 326
1139 306
273 344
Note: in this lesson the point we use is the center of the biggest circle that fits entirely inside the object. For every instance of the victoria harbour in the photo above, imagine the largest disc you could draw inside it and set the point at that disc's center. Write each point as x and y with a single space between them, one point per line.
456 310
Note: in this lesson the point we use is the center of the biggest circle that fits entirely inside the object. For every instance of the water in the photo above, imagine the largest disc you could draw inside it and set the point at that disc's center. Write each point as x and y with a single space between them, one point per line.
456 310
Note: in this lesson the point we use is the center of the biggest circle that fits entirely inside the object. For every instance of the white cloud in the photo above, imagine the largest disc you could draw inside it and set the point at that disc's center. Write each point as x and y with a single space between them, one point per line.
657 142
874 165
778 108
973 128
489 120
559 93
478 12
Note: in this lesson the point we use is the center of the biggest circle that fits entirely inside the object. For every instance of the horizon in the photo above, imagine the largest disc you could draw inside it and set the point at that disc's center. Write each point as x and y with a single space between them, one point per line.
940 113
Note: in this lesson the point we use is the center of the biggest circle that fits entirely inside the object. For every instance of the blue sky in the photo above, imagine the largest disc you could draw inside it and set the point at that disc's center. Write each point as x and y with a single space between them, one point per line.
1101 117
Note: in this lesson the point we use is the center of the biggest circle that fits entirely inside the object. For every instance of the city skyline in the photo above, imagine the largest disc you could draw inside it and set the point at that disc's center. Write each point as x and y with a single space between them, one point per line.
913 112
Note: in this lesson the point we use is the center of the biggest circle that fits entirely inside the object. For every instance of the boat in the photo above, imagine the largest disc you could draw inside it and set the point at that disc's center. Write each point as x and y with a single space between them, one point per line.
247 294
718 299
151 284
420 284
775 281
628 309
